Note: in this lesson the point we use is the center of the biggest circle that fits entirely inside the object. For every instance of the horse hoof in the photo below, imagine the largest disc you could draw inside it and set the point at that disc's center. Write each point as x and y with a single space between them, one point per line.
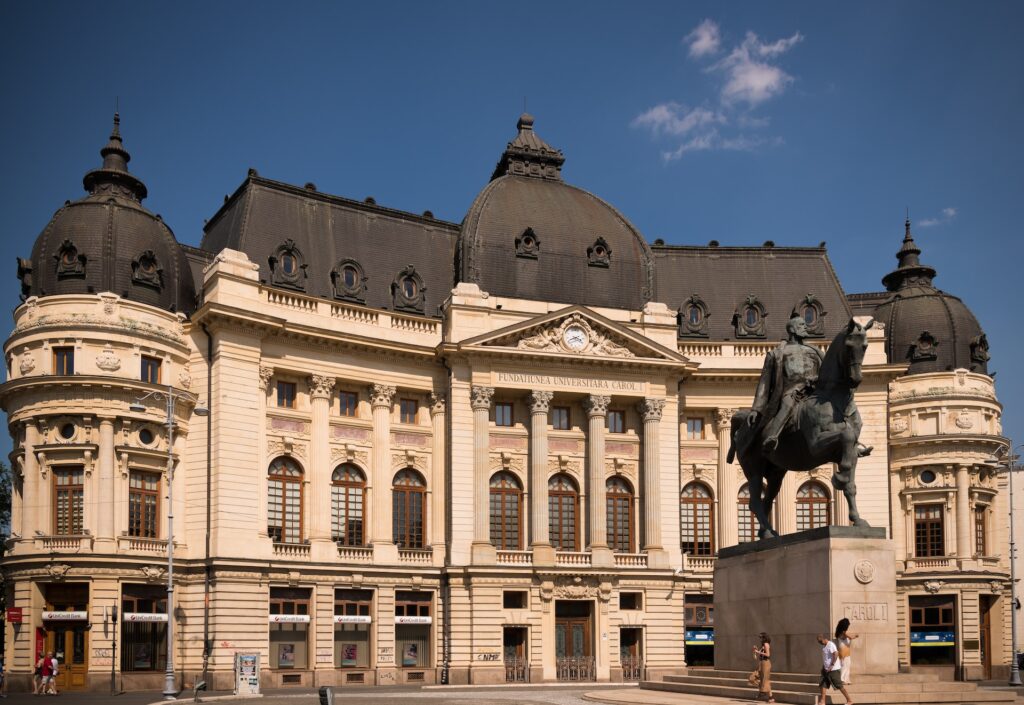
861 522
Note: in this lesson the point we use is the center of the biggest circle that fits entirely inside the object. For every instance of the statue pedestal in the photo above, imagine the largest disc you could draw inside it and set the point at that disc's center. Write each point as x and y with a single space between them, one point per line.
799 585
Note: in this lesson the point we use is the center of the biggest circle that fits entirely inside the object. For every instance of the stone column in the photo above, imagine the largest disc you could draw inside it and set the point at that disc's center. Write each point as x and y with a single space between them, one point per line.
480 401
32 493
438 475
105 505
964 545
785 504
728 528
265 375
384 548
596 406
540 539
318 508
650 411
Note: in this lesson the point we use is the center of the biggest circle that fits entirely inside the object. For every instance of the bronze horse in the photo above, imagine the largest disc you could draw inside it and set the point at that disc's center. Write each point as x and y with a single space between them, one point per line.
824 432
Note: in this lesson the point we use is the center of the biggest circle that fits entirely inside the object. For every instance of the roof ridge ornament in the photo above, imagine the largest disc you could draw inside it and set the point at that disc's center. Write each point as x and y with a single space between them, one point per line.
529 155
113 176
910 271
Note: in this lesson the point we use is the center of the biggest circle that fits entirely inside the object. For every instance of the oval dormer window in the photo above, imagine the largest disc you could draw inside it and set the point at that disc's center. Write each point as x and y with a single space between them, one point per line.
409 287
68 257
751 317
694 315
350 276
810 315
288 263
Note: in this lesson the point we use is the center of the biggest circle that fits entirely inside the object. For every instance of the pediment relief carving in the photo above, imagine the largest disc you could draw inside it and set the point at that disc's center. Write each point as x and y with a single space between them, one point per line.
575 334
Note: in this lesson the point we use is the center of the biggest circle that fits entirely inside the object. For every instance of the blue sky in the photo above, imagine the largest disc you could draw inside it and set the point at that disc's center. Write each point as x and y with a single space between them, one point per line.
740 121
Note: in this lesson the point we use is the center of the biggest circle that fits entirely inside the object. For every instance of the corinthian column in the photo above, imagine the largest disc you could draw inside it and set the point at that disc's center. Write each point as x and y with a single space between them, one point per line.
265 375
438 468
596 406
480 401
650 411
105 505
540 539
319 472
384 550
964 545
728 529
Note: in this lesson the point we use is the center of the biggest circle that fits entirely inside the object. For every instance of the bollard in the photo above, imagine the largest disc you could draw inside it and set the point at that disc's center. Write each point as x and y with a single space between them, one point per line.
326 696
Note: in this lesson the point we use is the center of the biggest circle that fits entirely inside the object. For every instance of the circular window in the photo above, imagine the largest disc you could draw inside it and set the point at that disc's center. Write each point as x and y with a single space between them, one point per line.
927 477
288 263
751 316
146 437
528 242
350 276
148 265
67 431
409 287
599 251
810 315
68 256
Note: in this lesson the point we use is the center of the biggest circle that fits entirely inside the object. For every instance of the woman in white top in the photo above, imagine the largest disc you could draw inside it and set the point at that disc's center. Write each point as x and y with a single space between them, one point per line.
844 640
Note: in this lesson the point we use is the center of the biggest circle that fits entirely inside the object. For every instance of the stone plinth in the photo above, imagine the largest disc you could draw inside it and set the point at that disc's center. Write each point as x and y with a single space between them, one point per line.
802 584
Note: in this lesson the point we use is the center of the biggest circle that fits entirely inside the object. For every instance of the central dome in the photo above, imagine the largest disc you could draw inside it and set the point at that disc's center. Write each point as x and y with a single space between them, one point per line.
529 235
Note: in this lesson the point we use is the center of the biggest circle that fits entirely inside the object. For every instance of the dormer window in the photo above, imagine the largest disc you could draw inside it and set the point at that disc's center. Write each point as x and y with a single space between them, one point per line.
349 281
599 254
693 318
409 287
146 270
70 263
408 291
287 266
749 318
810 309
528 244
924 348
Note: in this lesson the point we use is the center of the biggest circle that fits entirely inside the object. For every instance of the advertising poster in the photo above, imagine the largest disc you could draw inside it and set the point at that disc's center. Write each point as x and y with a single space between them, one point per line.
286 656
410 655
349 654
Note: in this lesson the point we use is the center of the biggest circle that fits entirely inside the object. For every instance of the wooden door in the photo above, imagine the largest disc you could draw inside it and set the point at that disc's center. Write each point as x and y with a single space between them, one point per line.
985 607
572 637
70 645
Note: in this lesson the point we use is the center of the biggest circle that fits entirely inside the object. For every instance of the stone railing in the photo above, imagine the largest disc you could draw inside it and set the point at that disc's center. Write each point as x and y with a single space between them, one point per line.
64 544
354 313
415 325
932 563
698 564
136 544
294 551
292 301
422 556
630 560
515 557
571 558
702 349
355 554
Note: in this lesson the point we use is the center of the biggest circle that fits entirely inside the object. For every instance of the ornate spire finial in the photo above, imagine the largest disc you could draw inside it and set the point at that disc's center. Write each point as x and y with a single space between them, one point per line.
114 171
910 270
529 155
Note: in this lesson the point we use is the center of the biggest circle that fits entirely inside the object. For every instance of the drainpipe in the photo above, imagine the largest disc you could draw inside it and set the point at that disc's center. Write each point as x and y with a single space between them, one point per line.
209 486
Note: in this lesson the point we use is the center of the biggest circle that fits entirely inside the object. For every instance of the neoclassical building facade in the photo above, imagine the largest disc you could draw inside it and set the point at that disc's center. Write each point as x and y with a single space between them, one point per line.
470 452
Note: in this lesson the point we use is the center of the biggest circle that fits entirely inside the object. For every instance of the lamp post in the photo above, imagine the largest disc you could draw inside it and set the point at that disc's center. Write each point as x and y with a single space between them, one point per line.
997 461
170 399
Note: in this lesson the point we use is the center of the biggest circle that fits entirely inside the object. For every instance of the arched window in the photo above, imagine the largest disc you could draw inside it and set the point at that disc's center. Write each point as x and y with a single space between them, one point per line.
748 523
348 505
813 506
408 508
563 513
284 501
506 512
697 518
619 497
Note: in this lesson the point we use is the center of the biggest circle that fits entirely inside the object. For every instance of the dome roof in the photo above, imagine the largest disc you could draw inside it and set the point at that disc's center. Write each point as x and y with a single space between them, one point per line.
530 235
932 330
107 241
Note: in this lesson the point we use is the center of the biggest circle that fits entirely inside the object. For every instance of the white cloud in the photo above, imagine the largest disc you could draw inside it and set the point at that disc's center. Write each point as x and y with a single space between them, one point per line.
751 78
704 39
675 119
945 215
712 140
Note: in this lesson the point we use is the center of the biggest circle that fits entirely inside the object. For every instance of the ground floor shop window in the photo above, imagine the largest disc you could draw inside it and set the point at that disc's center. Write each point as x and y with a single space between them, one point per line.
143 628
289 628
352 628
699 620
412 629
933 630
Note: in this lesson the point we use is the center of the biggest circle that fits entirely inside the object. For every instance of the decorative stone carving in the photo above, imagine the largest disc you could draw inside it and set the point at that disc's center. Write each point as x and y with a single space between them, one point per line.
899 425
382 394
552 338
540 401
147 271
107 360
596 404
58 571
348 454
265 375
723 417
575 592
185 379
924 348
693 318
109 303
528 244
864 571
320 386
964 420
748 320
349 281
933 586
27 363
437 403
70 262
286 446
153 573
996 586
651 409
480 397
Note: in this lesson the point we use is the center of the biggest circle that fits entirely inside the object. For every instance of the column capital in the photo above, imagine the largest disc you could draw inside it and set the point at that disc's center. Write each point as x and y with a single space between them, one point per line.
437 404
321 386
651 409
540 401
596 404
266 373
382 394
723 417
480 397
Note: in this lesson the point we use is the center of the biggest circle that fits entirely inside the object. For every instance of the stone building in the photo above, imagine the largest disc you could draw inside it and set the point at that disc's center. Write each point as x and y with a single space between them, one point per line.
464 452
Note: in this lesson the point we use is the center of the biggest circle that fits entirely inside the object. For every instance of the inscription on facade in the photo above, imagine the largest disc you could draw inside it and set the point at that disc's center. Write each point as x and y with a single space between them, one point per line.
565 381
866 611
386 654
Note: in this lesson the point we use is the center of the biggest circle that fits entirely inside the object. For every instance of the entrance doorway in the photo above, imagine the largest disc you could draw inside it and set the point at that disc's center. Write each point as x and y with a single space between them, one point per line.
514 653
574 647
66 621
985 607
933 634
631 653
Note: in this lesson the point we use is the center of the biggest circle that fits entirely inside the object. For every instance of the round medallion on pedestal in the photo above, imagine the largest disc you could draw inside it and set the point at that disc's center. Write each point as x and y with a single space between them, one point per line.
864 571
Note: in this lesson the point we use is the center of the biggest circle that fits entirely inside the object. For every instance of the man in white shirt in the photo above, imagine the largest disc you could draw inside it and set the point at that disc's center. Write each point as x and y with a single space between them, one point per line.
831 670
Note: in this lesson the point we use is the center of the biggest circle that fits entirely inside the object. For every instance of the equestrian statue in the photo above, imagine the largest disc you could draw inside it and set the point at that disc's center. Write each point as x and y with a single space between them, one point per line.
803 416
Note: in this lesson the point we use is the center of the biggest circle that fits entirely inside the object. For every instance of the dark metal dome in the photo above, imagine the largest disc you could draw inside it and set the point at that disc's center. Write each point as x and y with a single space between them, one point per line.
932 330
530 235
108 241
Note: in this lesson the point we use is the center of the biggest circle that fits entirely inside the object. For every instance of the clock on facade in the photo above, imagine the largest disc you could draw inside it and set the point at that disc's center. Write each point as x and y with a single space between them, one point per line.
575 338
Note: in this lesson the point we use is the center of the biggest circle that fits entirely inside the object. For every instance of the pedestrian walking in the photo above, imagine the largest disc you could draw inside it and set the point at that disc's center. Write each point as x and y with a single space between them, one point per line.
763 654
844 642
830 671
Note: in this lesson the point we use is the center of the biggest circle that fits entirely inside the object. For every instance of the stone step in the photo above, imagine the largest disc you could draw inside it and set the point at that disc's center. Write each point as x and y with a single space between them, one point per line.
813 678
790 682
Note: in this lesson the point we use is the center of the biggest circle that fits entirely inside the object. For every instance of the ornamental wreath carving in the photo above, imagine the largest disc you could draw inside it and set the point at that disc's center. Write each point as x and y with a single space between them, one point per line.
152 573
575 592
933 586
864 571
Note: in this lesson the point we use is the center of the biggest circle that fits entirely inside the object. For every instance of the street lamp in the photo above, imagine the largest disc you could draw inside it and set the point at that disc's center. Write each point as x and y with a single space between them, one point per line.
1008 462
170 399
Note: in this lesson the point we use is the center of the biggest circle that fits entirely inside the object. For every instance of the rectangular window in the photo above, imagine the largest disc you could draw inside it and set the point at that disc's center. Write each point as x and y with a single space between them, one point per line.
408 408
68 501
616 421
349 402
513 599
289 628
631 600
352 628
929 537
503 413
979 531
64 361
695 429
560 418
150 370
143 502
143 628
286 395
412 629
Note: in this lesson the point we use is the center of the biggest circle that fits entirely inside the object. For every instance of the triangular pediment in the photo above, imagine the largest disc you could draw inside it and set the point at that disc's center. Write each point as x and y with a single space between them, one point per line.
573 331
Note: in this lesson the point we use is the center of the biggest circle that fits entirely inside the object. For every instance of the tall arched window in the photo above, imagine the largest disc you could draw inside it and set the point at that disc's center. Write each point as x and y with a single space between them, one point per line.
506 512
697 519
348 505
619 496
748 523
563 513
408 508
284 501
813 506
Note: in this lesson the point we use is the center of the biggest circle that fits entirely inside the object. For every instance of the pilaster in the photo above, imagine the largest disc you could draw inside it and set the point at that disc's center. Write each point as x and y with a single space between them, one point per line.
651 411
596 406
728 530
321 389
105 501
384 548
964 545
480 401
438 472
